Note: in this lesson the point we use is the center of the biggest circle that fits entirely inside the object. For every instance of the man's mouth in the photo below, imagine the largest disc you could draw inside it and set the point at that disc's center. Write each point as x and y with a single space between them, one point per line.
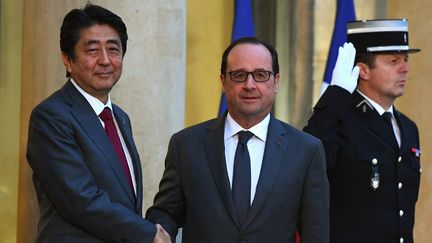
103 74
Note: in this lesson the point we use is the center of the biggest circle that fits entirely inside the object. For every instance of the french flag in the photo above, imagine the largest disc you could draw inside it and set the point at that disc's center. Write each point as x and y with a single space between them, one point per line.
344 13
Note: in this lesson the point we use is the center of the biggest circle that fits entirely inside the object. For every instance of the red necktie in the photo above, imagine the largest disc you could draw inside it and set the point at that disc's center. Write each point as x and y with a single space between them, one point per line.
113 136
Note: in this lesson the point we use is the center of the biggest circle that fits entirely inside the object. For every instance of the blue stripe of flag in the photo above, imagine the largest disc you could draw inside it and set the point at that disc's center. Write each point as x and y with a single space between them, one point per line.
344 13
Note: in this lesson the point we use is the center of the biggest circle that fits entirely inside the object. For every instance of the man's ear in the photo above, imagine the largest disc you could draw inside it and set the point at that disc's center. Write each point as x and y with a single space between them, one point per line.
67 62
277 78
222 79
364 71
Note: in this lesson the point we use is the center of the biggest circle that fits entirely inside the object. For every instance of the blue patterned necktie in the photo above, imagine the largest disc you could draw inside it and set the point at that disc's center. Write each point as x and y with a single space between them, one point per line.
241 185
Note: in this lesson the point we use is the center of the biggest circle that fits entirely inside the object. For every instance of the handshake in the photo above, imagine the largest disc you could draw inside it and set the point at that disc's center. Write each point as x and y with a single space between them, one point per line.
344 75
161 235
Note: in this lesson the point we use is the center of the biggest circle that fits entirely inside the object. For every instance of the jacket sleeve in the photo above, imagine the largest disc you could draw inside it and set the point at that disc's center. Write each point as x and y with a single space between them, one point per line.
168 207
314 212
325 120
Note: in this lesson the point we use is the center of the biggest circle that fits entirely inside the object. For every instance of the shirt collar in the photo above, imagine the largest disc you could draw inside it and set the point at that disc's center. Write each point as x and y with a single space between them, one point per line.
95 103
376 106
259 130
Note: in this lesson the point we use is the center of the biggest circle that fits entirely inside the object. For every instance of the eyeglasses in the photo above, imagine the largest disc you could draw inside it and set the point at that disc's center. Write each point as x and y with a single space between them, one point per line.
258 76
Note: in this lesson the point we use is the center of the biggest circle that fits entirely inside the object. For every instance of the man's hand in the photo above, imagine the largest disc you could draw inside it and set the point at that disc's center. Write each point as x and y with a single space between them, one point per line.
161 235
344 75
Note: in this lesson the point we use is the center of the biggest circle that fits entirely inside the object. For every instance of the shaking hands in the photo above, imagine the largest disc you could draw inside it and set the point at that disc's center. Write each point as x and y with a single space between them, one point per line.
161 235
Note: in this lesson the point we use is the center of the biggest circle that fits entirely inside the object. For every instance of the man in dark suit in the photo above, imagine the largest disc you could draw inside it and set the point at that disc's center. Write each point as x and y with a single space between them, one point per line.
372 149
86 168
245 176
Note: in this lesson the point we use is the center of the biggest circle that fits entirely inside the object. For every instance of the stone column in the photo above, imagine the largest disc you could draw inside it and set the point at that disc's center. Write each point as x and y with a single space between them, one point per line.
151 88
294 42
415 102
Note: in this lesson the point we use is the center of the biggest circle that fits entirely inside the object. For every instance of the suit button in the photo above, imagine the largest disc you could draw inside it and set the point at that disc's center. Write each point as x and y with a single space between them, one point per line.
374 161
401 213
400 185
401 240
400 159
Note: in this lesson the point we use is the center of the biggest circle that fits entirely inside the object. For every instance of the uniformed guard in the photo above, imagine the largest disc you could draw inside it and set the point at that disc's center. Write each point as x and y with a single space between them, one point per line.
372 149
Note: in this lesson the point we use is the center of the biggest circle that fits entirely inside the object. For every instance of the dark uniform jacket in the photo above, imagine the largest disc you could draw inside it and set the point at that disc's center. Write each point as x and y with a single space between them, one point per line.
374 184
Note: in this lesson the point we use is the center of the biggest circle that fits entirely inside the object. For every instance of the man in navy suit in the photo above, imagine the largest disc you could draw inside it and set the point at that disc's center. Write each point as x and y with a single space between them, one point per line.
86 168
245 176
372 149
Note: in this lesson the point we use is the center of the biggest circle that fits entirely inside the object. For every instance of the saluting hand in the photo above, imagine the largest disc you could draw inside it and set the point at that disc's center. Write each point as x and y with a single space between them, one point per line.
344 75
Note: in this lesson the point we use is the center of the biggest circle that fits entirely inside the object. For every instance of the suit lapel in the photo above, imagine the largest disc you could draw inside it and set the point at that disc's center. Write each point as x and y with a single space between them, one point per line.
215 151
90 123
275 149
375 123
403 130
378 126
126 132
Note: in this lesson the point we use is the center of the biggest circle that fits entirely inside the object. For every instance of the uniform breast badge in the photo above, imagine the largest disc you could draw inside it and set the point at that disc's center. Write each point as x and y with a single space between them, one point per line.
375 177
375 181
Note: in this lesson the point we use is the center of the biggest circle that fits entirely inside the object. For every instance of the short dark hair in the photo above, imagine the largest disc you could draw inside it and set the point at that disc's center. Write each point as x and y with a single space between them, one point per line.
78 19
250 40
366 58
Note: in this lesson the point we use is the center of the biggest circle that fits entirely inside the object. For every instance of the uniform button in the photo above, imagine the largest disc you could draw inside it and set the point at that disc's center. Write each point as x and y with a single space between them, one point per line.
421 170
401 240
400 159
401 212
374 161
400 185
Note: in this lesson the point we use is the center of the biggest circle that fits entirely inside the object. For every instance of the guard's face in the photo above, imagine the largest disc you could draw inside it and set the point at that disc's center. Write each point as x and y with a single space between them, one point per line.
249 101
98 60
386 80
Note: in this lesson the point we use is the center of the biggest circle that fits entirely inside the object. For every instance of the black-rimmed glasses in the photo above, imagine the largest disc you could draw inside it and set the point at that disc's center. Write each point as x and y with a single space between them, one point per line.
258 76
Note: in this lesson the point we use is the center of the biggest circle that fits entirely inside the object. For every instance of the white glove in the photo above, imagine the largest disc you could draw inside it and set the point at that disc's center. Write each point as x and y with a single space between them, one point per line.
344 75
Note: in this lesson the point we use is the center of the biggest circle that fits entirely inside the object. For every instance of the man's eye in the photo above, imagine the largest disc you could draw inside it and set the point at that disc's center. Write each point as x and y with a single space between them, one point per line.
260 74
92 50
239 75
114 50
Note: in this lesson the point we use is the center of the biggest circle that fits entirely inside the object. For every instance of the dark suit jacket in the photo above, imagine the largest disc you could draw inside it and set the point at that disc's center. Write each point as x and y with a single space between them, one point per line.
354 136
81 188
195 192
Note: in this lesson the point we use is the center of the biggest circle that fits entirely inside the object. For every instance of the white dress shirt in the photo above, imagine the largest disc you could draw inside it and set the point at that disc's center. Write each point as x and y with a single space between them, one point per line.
98 107
256 146
381 111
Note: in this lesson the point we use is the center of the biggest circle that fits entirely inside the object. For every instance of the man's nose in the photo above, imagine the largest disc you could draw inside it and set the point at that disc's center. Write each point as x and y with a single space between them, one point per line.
103 57
405 66
250 82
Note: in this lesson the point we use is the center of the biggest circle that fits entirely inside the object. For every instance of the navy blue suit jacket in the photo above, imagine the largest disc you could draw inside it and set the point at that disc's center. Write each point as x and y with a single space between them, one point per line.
82 191
195 193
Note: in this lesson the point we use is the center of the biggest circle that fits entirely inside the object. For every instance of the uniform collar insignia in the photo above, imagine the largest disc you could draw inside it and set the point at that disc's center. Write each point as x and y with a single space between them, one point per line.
364 105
